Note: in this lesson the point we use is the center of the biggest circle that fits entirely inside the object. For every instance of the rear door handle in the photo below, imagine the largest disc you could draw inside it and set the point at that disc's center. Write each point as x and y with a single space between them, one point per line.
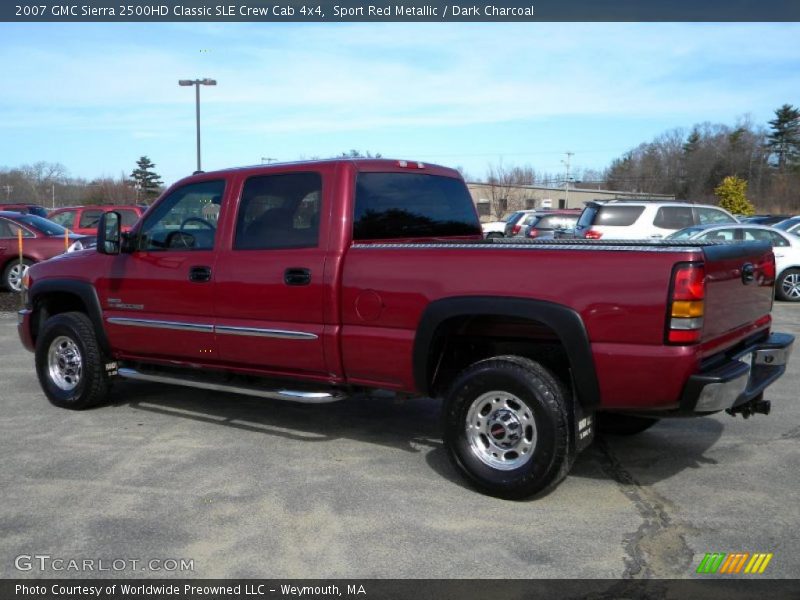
297 276
200 274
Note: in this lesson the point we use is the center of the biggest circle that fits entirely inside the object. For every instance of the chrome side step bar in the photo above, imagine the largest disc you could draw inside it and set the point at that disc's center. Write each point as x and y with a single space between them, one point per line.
305 397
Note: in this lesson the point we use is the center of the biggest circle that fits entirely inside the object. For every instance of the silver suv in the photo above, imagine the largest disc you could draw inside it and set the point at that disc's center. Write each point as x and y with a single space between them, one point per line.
644 219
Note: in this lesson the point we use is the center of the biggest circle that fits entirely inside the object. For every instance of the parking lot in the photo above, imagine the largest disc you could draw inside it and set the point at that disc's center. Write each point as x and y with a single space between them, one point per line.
244 487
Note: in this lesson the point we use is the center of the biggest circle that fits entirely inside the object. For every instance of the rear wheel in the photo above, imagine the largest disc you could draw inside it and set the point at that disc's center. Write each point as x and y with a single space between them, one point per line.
788 285
69 363
13 274
494 235
507 427
616 424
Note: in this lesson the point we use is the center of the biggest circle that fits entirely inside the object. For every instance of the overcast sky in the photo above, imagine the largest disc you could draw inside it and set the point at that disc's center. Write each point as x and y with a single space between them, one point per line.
96 96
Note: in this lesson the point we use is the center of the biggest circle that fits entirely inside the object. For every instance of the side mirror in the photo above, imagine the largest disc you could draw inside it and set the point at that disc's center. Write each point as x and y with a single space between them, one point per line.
108 233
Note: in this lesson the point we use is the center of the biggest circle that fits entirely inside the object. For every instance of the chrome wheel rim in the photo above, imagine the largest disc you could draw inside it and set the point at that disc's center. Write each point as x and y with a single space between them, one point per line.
501 430
65 363
15 275
791 286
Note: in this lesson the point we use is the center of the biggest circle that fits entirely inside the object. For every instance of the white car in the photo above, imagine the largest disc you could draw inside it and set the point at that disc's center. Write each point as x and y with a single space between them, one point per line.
495 229
644 219
792 225
785 246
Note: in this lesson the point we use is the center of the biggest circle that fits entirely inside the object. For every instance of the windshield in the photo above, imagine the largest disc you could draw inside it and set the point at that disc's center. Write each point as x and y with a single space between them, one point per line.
46 226
788 223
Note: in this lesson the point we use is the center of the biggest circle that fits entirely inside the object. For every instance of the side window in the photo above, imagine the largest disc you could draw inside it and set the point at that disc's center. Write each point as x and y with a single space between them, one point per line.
404 205
90 218
279 211
9 229
612 215
762 235
128 217
674 217
65 219
719 235
184 220
712 215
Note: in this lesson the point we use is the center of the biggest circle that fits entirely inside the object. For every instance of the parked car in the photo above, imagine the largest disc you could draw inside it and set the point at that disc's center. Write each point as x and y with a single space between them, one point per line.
792 225
26 209
546 224
496 229
84 219
644 219
41 239
763 219
515 221
785 246
384 282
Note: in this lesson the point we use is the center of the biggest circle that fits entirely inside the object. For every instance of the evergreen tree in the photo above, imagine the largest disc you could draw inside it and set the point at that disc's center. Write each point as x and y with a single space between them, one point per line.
784 139
732 194
146 179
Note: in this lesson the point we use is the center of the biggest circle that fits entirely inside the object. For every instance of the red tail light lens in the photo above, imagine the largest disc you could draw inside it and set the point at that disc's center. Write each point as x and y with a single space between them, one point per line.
515 229
532 233
593 234
687 304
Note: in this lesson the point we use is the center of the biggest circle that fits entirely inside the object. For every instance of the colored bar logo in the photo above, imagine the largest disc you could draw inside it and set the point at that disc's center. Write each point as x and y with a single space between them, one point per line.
734 563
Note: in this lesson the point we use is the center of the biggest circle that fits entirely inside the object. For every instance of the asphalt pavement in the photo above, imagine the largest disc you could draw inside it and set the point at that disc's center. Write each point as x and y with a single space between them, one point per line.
244 487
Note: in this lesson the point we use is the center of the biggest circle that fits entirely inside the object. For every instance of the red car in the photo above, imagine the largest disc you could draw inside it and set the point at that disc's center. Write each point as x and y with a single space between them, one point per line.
41 239
84 219
311 281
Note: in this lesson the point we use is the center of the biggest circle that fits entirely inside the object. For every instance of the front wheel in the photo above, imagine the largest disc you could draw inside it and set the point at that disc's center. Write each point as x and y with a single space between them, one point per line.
13 274
507 427
788 285
69 362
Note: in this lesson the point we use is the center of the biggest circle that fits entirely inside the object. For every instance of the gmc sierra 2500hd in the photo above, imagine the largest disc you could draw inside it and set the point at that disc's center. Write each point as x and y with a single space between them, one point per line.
310 281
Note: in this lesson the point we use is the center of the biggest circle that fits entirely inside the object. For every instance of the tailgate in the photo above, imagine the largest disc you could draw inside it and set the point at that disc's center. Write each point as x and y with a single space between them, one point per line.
739 287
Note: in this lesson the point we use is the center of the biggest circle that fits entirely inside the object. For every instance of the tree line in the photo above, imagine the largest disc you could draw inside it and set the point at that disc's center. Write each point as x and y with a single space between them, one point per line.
50 185
761 161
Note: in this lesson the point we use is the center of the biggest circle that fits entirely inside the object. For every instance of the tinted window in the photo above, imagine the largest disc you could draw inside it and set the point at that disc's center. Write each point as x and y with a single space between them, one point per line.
587 216
279 211
674 217
397 205
184 220
684 234
39 211
90 218
127 217
617 216
712 215
65 219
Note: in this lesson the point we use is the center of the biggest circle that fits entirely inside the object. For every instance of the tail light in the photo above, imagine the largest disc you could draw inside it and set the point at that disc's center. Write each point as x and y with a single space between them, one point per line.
532 232
515 229
687 304
593 234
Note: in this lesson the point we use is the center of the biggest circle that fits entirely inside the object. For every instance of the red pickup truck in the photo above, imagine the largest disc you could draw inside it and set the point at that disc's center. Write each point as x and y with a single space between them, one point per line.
312 281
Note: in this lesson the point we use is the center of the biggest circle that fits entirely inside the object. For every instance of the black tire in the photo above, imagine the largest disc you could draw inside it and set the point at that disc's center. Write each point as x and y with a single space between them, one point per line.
503 382
10 274
494 235
65 335
787 287
617 424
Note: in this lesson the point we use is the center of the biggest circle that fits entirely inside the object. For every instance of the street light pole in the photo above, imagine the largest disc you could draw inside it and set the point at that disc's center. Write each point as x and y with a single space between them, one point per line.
197 83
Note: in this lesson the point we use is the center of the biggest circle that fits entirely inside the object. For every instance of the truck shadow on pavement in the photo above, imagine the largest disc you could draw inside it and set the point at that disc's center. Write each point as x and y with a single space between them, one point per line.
414 425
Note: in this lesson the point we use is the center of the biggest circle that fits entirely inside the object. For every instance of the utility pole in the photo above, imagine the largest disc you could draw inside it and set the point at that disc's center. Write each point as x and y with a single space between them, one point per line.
566 182
54 194
267 160
8 189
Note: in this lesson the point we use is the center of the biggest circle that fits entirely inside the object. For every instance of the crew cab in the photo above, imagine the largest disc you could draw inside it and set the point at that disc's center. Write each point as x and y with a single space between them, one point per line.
312 281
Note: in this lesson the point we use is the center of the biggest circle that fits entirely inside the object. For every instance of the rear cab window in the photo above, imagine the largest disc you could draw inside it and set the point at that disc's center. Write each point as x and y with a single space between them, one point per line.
409 205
